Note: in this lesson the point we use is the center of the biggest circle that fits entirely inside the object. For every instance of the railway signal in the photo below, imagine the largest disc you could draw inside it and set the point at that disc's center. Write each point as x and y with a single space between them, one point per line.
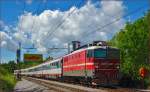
143 72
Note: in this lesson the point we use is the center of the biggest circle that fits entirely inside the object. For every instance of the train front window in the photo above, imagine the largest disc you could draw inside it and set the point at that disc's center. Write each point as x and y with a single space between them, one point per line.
97 53
110 53
100 53
113 53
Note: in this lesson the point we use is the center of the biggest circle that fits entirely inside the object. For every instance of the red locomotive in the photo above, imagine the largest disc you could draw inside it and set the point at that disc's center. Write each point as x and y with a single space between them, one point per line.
93 64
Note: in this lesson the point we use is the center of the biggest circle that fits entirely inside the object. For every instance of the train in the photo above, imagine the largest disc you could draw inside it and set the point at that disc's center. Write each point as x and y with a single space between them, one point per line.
91 64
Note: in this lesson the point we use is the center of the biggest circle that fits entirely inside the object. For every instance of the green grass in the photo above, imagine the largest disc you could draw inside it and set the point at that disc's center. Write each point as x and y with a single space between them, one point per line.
7 80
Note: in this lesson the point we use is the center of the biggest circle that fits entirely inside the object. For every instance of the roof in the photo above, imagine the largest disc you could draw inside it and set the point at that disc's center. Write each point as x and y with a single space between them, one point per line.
88 48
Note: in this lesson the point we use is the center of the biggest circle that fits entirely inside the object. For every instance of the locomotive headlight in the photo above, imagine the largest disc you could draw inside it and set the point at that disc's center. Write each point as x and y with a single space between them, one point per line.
118 67
96 66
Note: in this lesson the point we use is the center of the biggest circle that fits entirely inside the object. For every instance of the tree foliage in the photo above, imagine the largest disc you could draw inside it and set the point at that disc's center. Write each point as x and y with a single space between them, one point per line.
133 42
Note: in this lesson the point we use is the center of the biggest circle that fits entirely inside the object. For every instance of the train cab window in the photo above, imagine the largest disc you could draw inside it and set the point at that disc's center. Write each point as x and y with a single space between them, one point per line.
113 53
100 53
97 53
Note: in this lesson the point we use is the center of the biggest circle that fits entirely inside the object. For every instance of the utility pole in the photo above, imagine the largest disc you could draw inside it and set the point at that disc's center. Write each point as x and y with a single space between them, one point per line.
68 48
19 53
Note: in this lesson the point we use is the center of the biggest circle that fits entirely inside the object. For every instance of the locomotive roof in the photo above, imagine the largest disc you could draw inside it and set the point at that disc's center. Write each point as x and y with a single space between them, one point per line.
88 48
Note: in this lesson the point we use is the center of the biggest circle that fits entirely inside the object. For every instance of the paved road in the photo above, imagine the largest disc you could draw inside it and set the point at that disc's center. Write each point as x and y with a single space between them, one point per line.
27 86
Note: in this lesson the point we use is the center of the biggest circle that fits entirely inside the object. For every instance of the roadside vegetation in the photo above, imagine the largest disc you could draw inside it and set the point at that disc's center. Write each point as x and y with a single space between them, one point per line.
7 78
134 44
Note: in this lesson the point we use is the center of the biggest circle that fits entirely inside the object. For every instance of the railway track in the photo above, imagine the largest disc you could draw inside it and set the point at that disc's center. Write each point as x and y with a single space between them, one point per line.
62 87
67 87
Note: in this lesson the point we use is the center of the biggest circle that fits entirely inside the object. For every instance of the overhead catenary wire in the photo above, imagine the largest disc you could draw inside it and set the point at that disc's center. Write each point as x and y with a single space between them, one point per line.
36 11
114 16
60 23
21 19
100 28
35 22
19 29
86 35
115 20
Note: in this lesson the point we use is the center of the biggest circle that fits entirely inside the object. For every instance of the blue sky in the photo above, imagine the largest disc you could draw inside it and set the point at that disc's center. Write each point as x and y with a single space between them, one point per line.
10 10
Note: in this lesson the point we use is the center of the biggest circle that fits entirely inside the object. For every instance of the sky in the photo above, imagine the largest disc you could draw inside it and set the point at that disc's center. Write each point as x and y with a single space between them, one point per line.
54 23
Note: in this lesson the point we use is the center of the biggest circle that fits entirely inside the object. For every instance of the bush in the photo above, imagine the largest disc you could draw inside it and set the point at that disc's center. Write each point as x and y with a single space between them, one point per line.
133 42
7 80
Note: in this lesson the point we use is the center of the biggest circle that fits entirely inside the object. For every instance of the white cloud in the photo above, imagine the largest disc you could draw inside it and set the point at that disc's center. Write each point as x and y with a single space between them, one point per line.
3 44
35 28
7 42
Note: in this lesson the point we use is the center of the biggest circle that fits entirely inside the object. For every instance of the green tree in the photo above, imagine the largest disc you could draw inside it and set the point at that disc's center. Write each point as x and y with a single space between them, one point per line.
134 45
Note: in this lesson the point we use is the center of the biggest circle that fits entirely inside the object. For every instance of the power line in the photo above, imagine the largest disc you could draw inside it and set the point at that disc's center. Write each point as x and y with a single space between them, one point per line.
60 23
114 16
24 6
117 19
36 11
19 50
34 20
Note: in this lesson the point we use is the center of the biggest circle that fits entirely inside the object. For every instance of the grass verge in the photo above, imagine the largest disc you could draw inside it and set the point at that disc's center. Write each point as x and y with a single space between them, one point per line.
7 80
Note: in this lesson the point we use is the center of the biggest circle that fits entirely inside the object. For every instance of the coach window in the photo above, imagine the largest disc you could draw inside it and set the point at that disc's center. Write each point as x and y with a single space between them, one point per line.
54 64
57 66
49 66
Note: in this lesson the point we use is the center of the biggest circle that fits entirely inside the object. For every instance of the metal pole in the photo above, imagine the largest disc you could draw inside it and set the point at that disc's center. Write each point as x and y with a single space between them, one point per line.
68 48
18 54
18 60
